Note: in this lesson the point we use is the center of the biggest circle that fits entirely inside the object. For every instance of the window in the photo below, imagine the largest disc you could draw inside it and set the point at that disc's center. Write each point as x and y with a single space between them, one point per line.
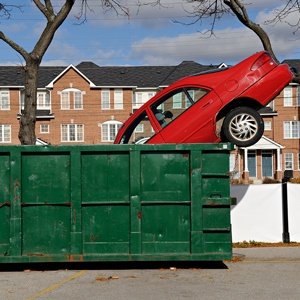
139 128
72 132
299 161
105 96
268 125
78 100
118 99
110 130
5 133
175 103
4 100
64 100
67 95
44 128
298 96
291 129
141 98
287 96
43 100
288 161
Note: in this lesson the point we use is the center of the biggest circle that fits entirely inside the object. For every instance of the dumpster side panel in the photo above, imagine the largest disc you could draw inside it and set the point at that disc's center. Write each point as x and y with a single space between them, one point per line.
46 203
114 203
216 202
4 203
105 202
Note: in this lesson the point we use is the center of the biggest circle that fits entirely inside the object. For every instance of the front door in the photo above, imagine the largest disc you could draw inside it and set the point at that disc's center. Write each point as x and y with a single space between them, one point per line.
267 164
252 163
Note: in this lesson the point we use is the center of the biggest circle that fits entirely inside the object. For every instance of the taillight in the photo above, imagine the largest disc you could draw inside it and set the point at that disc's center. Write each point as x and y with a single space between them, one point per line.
264 58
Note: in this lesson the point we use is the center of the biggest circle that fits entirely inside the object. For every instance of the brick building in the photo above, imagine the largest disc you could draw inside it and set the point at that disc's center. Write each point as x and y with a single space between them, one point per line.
86 104
279 148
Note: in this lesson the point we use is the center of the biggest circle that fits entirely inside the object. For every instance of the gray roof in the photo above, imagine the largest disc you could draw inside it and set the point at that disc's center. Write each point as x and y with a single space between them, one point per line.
294 64
141 76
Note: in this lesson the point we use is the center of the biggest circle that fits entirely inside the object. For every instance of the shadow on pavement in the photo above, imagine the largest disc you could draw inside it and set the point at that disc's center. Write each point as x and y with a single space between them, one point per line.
17 267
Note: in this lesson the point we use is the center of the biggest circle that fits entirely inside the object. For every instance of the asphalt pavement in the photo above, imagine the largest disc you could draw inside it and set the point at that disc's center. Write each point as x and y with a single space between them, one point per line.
268 253
268 273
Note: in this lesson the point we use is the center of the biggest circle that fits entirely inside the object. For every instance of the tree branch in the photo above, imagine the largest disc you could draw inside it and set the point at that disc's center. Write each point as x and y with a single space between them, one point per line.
14 45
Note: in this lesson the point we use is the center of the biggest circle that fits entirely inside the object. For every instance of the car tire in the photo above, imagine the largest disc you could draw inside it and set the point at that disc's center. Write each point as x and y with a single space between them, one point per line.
243 126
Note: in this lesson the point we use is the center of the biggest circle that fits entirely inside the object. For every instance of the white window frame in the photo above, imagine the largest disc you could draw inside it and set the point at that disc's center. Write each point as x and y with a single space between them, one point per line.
105 99
43 100
141 98
109 130
268 125
177 101
288 96
44 128
139 128
78 99
291 129
64 100
5 133
289 161
118 99
68 136
4 100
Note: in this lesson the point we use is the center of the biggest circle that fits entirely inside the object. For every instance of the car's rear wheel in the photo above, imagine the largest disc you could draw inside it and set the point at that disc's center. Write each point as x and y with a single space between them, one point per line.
243 126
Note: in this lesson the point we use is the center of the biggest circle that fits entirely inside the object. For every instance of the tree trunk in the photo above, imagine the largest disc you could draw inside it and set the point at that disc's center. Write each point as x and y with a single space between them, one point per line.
28 118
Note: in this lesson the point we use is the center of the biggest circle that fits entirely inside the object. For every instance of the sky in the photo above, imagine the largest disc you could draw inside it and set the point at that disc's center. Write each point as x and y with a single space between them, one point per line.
151 35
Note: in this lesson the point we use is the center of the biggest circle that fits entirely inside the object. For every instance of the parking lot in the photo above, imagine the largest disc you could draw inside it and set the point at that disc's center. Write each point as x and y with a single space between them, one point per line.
266 273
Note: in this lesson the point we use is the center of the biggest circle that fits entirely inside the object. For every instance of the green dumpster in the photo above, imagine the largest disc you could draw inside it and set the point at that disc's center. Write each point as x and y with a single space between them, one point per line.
115 203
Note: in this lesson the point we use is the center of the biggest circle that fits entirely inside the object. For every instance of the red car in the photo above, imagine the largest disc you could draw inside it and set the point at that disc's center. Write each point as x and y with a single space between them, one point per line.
210 107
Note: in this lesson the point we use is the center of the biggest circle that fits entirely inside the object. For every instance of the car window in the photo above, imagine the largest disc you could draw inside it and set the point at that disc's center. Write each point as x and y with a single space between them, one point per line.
139 131
174 104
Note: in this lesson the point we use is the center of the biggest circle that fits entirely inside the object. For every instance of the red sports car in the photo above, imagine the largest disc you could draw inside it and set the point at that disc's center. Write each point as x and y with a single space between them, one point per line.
210 107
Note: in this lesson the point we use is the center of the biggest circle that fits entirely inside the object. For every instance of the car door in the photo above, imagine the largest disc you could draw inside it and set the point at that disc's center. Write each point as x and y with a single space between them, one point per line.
193 111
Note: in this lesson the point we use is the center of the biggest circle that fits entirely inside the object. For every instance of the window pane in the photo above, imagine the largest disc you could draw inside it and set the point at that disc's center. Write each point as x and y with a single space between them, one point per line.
287 94
44 128
139 128
104 132
4 101
295 133
4 133
286 126
65 101
77 100
72 135
177 101
64 133
288 161
105 100
118 99
79 133
7 133
40 100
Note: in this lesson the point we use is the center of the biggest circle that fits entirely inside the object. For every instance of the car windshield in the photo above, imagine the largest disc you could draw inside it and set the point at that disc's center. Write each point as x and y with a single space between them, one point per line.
139 131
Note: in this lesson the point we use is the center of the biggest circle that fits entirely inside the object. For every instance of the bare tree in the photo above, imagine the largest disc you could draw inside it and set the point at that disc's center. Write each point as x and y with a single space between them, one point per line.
202 9
33 59
216 9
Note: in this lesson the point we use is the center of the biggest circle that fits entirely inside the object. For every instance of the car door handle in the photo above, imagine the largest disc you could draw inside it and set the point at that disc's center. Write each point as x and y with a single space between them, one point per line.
207 104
